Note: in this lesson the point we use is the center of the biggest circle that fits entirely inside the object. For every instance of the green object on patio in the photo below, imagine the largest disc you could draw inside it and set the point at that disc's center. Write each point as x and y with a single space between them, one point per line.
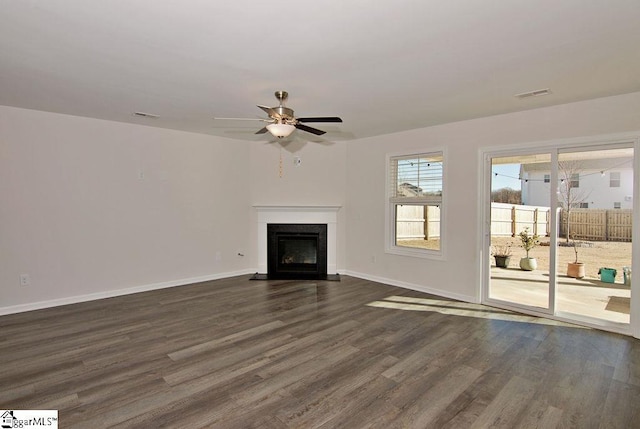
608 275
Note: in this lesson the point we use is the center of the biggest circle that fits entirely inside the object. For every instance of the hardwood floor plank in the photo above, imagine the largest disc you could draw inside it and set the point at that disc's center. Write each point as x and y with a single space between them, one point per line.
320 398
361 400
617 413
539 415
422 412
505 409
279 377
266 350
410 365
627 369
229 339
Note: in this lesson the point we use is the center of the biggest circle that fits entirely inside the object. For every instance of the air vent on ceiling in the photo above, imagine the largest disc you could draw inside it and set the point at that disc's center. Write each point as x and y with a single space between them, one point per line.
146 115
536 93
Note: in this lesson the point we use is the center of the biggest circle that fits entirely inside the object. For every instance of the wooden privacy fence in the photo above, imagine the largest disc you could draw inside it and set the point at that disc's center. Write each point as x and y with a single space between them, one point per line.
597 225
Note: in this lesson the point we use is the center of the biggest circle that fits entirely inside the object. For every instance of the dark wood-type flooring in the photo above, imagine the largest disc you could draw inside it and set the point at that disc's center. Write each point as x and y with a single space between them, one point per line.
235 353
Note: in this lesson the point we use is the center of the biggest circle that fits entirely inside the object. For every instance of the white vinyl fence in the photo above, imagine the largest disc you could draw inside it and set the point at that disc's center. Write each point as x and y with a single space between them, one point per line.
418 222
510 219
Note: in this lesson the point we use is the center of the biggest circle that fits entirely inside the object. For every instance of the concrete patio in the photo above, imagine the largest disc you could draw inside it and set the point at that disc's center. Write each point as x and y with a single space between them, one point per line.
584 297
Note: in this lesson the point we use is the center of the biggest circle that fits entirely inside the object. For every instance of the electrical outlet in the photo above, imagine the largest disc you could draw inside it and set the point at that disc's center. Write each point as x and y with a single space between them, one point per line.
25 280
218 256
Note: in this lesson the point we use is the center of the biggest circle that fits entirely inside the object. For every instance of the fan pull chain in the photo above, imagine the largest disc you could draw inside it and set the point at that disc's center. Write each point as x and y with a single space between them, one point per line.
281 163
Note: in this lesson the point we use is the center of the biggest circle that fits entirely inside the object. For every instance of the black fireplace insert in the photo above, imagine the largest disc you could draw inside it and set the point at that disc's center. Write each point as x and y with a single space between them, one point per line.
296 251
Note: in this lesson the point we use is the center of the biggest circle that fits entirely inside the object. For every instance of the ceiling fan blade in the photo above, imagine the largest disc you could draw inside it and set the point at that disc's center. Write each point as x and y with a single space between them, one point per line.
262 130
310 129
272 113
320 119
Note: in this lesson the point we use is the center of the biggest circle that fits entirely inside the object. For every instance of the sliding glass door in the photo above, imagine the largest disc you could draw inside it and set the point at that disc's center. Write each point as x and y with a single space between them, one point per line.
563 217
595 197
520 231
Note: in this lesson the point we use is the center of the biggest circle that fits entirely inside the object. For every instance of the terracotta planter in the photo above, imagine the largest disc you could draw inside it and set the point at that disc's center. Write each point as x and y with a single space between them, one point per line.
528 264
575 270
502 261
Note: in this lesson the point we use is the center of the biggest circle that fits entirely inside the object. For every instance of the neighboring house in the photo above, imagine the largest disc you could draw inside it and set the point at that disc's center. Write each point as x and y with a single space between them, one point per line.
595 184
408 190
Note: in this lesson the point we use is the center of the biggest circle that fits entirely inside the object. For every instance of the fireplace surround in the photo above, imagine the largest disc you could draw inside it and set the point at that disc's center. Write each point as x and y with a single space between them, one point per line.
298 215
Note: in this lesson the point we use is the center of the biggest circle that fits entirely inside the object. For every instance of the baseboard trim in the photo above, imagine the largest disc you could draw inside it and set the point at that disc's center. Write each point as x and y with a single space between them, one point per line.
21 308
413 286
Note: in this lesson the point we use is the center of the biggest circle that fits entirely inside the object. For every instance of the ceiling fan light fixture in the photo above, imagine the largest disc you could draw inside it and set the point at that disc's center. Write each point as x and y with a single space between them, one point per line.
281 130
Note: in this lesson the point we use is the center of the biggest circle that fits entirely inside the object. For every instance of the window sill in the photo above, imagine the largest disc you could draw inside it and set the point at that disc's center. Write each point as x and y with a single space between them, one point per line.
437 255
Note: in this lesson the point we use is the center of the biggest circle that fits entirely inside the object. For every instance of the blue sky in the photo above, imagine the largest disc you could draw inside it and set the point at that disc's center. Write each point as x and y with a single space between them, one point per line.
507 176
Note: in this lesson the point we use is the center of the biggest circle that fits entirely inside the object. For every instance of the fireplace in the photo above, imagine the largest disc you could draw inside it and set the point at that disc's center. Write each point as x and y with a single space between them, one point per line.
296 251
299 215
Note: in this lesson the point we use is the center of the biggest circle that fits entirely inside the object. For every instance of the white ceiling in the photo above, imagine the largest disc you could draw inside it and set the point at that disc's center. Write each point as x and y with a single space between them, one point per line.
382 66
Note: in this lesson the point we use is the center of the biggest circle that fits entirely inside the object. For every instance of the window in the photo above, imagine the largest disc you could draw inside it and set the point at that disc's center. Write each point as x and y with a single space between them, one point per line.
575 180
584 205
617 205
415 203
547 178
614 179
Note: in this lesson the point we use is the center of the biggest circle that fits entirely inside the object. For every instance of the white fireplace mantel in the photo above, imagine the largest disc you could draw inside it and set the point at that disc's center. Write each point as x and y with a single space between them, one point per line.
298 214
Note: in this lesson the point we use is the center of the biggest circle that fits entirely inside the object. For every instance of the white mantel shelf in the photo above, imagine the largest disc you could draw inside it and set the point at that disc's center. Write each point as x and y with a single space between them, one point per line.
297 208
298 214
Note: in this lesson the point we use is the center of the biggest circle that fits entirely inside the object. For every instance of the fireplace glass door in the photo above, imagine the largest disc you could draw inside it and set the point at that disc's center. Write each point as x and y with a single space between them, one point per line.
297 251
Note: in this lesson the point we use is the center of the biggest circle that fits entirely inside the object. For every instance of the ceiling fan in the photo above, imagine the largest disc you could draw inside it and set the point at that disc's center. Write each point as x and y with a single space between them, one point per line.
282 121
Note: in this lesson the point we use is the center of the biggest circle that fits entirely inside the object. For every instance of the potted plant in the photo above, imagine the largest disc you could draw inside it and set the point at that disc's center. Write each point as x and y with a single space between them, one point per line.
502 255
575 269
528 242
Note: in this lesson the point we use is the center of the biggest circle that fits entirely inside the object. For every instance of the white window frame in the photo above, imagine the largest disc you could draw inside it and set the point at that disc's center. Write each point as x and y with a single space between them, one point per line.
391 203
614 179
575 180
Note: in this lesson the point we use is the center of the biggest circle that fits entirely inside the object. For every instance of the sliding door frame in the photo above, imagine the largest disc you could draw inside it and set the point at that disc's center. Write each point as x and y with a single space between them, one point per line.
486 198
485 155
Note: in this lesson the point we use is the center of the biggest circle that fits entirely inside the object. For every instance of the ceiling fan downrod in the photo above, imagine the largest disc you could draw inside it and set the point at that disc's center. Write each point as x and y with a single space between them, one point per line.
281 96
284 114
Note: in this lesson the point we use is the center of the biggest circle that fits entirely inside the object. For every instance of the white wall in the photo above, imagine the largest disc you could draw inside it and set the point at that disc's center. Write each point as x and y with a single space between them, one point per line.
458 275
89 208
